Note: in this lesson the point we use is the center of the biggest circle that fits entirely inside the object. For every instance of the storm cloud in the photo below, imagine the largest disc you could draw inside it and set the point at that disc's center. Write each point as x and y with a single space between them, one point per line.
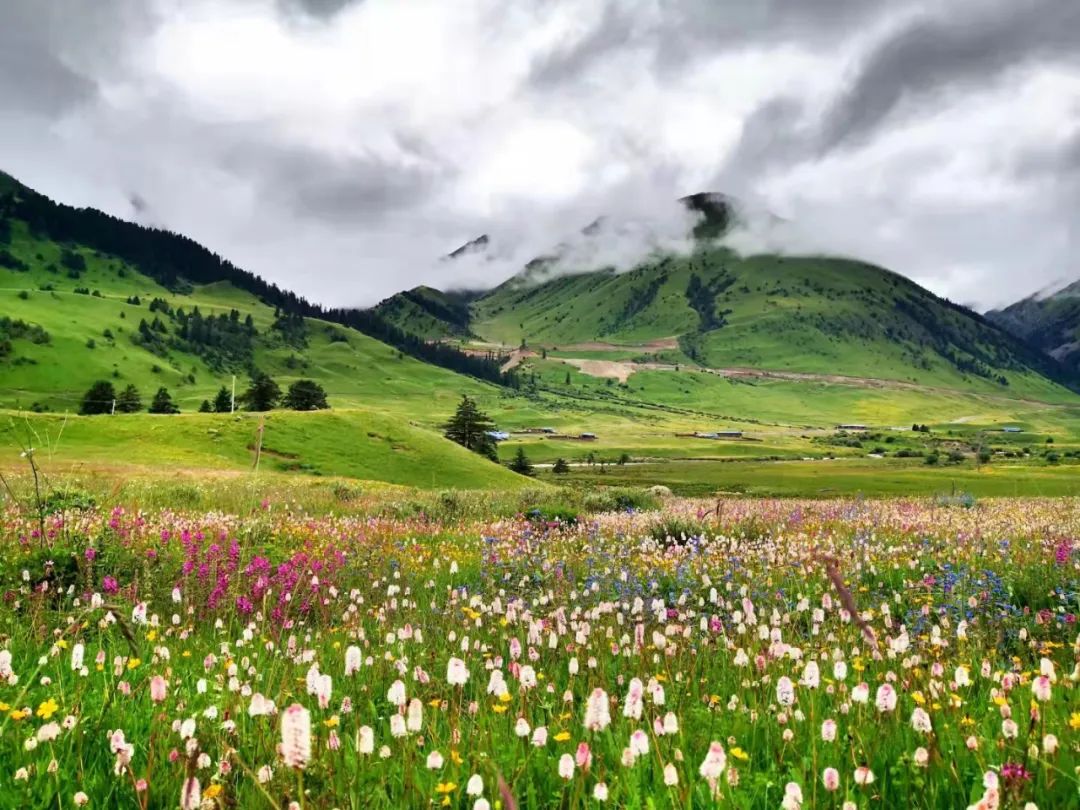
340 147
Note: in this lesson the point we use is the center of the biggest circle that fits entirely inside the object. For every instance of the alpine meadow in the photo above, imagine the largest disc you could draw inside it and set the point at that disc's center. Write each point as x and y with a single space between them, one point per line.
529 406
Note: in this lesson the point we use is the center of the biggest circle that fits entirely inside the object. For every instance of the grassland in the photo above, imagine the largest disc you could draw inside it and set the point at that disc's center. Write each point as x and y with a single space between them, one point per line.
355 369
353 444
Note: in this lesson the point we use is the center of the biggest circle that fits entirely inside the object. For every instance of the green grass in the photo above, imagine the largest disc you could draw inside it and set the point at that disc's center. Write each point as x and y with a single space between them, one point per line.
815 315
841 477
356 371
349 443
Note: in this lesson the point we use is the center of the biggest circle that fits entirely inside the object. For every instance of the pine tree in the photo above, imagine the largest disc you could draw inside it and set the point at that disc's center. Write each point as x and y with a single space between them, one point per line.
263 394
561 467
206 407
305 395
521 464
471 428
162 403
98 399
129 400
223 401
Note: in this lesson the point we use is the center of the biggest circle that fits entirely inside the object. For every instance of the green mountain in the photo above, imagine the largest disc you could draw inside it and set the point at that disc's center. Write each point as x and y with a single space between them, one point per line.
430 313
718 310
1051 322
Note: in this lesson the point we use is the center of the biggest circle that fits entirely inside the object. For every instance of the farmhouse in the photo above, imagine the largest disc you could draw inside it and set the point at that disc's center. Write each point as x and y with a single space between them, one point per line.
498 435
852 427
1012 430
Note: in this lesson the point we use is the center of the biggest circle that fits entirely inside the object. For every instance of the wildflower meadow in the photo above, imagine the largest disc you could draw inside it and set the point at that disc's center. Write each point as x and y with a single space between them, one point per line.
740 653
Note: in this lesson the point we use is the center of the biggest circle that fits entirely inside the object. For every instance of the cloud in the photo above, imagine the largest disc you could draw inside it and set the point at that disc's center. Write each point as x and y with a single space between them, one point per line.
340 148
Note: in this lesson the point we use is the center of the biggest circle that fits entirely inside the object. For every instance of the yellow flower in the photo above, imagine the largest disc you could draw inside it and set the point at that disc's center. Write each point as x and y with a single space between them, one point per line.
562 736
435 703
738 753
62 643
3 706
498 709
918 698
1074 721
133 662
445 787
47 709
152 635
212 792
332 722
455 757
19 714
505 697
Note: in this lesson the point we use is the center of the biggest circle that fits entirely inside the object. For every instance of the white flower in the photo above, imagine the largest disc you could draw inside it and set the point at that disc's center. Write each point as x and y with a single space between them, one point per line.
354 659
521 728
863 775
397 726
671 775
597 711
396 693
296 736
920 721
475 785
456 672
715 762
566 767
414 715
365 740
190 794
886 698
1040 688
785 691
600 792
434 761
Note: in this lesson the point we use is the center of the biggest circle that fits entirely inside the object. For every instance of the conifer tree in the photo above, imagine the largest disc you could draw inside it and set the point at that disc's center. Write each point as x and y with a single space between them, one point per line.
471 428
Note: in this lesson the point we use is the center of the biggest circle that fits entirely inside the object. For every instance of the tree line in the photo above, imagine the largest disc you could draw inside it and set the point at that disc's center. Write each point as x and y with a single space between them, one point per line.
262 394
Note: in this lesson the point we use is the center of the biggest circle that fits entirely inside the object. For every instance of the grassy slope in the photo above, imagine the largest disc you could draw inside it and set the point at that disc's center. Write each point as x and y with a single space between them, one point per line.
427 312
358 372
800 314
355 444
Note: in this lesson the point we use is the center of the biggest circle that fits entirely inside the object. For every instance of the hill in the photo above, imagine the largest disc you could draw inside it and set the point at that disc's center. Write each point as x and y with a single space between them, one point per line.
1052 323
429 313
177 263
712 308
348 443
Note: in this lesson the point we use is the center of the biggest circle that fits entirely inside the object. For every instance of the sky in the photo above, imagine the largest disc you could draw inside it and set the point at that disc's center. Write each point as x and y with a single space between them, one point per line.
340 147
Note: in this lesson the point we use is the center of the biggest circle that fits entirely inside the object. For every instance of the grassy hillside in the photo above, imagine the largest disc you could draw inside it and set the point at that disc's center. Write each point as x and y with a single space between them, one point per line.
93 333
430 313
1051 323
815 315
350 443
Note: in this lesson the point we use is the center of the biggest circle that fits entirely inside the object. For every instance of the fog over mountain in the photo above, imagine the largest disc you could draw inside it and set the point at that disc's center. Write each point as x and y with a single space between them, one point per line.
340 148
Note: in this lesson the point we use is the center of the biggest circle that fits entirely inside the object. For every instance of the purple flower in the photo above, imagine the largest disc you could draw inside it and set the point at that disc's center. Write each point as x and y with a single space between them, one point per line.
110 585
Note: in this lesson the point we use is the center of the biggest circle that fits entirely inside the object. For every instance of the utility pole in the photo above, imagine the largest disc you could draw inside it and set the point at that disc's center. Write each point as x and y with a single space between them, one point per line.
232 403
113 411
